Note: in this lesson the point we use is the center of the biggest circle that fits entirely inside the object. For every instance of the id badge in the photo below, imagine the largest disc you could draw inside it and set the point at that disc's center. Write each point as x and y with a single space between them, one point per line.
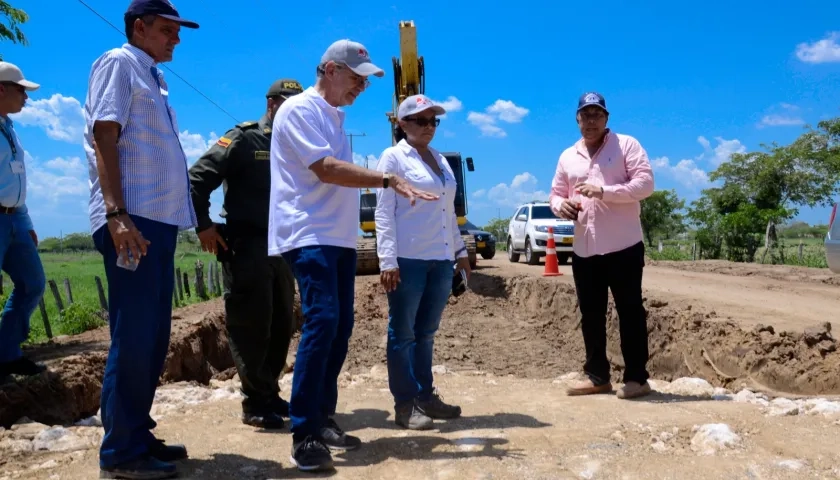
17 166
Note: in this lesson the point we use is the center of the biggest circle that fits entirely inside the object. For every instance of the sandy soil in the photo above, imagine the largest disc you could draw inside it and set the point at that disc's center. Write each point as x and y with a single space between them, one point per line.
511 429
765 331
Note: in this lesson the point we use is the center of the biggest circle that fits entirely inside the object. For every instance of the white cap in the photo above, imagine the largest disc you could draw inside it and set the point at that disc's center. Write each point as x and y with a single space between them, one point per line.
9 72
416 104
354 55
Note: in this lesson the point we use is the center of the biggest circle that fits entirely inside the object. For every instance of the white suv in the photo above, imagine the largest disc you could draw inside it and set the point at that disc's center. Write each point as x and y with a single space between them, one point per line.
528 233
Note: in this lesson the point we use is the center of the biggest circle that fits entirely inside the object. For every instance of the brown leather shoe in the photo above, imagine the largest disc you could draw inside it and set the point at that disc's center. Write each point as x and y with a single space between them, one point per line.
633 390
587 387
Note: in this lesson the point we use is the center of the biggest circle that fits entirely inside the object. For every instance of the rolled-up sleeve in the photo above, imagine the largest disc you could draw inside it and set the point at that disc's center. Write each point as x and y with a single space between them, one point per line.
640 185
386 222
559 188
110 90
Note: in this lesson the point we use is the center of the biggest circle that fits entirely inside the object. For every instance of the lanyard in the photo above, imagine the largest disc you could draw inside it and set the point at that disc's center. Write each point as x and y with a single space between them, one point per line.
11 142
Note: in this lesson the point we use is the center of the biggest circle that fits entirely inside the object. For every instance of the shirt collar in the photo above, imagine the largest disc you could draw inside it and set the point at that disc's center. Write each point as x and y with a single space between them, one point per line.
312 93
407 149
140 55
581 145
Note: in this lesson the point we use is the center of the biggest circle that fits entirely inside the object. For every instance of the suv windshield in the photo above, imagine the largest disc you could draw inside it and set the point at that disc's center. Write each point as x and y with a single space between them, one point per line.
542 212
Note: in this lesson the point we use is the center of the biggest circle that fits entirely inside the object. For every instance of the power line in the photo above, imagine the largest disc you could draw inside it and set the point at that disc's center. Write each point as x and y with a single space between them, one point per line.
164 66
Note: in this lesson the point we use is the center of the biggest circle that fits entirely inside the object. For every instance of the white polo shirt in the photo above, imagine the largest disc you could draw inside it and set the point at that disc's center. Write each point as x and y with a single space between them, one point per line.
305 211
429 229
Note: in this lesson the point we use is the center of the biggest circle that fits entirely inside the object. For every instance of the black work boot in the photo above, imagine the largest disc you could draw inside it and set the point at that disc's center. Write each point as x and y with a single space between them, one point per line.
335 438
434 407
410 416
267 420
311 454
145 468
21 366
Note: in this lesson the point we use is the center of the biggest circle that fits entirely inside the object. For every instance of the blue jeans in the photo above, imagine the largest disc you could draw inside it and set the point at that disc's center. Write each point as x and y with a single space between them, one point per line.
21 261
326 277
140 316
414 311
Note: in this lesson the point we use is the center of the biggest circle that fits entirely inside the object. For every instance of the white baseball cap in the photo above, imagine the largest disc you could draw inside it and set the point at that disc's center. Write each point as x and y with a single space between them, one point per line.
416 104
354 55
9 72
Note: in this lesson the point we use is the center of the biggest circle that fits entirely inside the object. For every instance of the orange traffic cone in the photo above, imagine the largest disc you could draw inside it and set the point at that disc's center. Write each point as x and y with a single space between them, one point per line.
551 268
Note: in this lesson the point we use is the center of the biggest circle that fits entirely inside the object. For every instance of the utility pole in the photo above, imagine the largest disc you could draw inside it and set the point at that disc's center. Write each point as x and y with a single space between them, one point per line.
351 135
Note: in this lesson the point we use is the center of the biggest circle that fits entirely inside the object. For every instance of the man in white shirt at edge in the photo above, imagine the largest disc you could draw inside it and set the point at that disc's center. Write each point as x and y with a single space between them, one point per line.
313 224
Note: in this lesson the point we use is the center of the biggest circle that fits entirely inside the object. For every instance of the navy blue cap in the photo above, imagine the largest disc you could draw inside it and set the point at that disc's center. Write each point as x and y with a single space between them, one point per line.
592 98
163 8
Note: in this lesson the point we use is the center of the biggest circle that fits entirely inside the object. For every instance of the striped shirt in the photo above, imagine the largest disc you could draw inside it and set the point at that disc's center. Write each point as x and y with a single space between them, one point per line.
13 173
126 87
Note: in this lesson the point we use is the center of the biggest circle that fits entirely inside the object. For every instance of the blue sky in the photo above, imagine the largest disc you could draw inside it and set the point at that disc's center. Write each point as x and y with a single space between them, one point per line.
693 83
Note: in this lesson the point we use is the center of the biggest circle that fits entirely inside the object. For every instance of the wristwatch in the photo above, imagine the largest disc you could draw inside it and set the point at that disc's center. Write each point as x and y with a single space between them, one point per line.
386 178
115 213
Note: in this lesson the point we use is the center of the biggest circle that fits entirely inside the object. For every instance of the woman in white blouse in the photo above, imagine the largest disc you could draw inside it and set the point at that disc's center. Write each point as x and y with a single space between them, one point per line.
417 247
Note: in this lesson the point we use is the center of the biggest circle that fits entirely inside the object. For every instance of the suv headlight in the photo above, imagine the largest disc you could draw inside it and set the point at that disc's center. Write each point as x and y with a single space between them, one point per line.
541 228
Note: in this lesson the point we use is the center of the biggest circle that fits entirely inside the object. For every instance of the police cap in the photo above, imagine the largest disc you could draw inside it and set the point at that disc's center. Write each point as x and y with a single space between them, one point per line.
285 87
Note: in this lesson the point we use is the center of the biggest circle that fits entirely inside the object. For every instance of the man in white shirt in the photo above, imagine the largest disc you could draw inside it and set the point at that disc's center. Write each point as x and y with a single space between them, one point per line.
313 224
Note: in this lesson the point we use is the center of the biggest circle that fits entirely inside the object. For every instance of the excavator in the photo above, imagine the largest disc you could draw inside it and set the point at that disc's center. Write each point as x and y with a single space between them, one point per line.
409 79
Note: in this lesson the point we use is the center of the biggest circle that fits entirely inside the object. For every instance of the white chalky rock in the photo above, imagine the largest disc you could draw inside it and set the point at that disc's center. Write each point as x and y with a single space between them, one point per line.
440 370
721 394
746 396
59 439
794 465
820 406
690 387
379 372
780 407
711 437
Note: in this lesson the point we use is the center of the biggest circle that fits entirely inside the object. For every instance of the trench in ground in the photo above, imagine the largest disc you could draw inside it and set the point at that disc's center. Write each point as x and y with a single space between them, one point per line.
527 327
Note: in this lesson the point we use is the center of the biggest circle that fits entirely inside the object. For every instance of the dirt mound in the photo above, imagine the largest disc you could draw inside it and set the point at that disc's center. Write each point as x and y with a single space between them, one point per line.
776 272
70 389
529 327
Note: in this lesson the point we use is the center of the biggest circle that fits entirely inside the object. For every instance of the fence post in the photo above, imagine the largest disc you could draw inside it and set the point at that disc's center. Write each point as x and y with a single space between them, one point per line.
200 287
45 318
694 251
56 296
67 291
218 279
211 278
801 246
178 282
187 284
103 302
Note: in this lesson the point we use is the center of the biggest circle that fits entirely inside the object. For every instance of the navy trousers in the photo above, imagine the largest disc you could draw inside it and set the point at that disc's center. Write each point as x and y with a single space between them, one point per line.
140 311
326 277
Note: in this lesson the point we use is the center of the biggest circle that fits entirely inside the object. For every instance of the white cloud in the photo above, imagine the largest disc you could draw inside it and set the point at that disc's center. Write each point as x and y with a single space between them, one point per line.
61 117
686 172
721 152
55 179
195 145
451 104
784 116
826 50
523 188
501 110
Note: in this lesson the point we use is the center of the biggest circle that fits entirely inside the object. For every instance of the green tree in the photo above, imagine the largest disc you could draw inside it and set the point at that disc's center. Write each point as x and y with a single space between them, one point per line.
10 29
661 215
498 227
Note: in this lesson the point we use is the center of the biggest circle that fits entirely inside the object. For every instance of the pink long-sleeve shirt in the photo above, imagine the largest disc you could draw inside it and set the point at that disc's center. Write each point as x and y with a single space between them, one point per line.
622 167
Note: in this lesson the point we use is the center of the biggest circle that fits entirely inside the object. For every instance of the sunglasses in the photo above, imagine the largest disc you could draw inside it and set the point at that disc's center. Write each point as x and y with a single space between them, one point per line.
422 122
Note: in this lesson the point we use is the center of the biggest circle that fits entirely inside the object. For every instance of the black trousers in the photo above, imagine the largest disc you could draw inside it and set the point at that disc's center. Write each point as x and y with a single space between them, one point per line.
259 310
621 273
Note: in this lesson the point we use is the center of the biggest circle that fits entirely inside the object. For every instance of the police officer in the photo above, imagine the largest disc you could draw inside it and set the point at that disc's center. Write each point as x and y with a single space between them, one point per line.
259 289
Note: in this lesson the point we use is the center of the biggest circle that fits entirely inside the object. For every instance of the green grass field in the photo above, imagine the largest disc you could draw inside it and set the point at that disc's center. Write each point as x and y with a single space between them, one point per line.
81 269
813 252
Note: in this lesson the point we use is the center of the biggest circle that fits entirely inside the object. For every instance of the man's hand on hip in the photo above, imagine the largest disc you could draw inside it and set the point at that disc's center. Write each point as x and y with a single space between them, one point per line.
209 238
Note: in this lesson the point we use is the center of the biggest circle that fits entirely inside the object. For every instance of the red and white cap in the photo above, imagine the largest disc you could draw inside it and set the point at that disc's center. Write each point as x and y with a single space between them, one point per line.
416 104
354 55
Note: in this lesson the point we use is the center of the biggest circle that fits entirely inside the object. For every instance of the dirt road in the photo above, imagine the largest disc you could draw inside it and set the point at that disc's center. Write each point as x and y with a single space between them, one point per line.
760 327
511 429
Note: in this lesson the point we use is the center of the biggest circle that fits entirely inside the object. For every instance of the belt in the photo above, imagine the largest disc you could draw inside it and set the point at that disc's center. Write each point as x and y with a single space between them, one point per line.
7 210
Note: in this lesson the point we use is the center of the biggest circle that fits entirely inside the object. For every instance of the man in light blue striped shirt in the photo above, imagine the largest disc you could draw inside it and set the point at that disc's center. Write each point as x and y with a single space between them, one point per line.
139 200
18 241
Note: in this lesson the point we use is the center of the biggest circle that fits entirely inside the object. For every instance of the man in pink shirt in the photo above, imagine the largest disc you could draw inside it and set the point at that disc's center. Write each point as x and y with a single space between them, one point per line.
599 183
